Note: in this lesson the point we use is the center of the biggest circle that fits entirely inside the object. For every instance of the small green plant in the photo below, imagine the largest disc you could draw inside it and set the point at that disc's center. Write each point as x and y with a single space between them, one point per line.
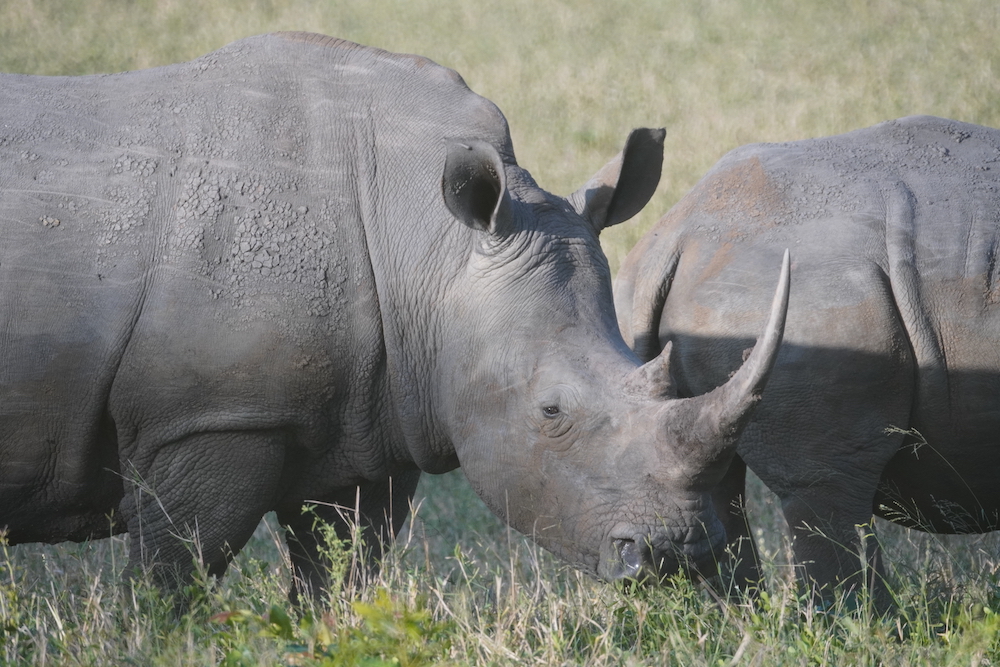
388 631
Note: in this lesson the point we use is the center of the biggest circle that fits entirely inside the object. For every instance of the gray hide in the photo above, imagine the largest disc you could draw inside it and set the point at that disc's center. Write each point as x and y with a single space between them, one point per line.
893 325
301 270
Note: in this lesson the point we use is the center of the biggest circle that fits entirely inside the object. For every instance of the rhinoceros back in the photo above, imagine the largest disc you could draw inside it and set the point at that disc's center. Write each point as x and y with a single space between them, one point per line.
180 246
894 310
909 208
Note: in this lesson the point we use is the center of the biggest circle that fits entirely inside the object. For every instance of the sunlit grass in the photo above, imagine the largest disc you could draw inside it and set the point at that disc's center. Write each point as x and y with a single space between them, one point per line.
460 588
572 78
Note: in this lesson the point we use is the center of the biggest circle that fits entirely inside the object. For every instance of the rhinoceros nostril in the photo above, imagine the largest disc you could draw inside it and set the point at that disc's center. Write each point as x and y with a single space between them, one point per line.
631 556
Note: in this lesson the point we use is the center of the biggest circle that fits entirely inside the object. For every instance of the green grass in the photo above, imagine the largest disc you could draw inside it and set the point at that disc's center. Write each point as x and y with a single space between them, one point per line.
573 79
459 588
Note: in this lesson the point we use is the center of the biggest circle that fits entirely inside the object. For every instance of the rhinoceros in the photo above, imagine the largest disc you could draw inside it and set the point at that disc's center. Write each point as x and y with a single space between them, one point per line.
885 396
302 271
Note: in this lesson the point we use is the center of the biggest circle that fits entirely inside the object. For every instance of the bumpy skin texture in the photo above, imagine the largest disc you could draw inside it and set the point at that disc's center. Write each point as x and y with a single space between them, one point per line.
893 322
298 269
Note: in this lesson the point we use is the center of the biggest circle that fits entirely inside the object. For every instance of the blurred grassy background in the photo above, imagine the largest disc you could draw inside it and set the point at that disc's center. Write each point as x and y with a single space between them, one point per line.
572 78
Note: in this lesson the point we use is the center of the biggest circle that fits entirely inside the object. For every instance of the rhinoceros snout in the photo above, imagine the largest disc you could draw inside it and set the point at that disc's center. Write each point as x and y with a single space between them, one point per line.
626 558
638 560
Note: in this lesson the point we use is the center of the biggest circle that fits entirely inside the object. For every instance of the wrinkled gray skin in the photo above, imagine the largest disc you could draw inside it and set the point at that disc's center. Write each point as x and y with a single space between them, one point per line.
301 270
893 322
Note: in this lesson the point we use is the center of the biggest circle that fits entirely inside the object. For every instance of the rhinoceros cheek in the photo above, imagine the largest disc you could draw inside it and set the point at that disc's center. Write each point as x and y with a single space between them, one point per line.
697 548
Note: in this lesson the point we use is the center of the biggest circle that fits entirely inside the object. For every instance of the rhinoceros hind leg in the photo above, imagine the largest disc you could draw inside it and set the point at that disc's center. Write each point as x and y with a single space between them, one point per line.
377 508
200 498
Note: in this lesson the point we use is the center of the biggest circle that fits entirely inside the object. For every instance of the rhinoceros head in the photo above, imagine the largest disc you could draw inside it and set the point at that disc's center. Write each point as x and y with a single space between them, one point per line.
556 423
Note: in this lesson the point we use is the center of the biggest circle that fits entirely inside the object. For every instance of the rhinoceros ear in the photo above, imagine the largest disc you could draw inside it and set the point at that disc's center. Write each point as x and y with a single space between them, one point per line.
623 186
474 184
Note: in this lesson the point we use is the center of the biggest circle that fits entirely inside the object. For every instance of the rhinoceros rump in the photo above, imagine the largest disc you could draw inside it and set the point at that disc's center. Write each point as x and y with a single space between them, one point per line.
893 326
301 270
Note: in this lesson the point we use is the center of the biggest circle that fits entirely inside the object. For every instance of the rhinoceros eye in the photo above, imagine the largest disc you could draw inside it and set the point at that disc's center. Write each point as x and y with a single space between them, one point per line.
551 411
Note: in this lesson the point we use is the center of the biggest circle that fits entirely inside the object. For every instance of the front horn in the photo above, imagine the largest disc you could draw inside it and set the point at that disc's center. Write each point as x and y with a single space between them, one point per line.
720 415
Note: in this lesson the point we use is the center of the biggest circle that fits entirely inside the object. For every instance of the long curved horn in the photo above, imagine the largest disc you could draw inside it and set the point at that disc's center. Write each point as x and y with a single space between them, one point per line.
720 415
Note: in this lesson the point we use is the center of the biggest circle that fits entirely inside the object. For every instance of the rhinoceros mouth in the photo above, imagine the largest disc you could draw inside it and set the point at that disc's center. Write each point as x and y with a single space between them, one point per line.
631 557
625 558
649 558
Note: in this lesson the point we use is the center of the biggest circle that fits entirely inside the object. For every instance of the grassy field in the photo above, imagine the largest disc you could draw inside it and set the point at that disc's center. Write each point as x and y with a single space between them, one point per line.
573 79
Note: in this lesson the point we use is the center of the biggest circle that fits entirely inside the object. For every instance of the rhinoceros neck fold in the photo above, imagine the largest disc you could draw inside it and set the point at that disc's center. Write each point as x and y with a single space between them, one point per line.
407 271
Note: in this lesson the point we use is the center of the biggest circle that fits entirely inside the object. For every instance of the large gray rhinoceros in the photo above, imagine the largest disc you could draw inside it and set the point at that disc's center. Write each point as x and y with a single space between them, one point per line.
893 325
300 270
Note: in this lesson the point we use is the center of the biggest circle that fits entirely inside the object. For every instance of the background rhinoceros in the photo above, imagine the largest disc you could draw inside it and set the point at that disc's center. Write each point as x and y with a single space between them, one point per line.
301 270
893 327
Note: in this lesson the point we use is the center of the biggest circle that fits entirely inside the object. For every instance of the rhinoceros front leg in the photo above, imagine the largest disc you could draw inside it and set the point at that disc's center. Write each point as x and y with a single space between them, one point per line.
378 509
740 565
834 544
198 498
828 505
